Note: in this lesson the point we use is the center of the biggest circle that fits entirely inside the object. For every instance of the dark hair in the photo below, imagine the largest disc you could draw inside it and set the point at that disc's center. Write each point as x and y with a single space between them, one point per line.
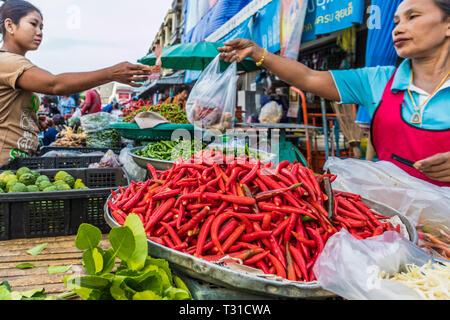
15 10
444 5
58 120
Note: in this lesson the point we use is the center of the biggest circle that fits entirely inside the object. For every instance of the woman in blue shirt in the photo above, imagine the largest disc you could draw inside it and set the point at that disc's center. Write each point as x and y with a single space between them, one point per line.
409 105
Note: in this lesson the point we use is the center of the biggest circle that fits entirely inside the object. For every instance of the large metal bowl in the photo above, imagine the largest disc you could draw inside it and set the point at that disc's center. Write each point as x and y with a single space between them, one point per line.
143 161
219 275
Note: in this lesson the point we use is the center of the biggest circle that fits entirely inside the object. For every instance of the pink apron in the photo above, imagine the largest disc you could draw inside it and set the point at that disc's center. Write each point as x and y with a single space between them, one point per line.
394 139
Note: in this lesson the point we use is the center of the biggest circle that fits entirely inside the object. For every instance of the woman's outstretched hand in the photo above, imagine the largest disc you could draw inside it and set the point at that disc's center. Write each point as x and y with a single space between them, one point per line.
239 50
128 73
436 167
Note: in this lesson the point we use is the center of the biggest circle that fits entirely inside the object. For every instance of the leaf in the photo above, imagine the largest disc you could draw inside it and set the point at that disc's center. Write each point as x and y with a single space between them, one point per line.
90 287
147 295
58 269
161 263
122 241
181 285
109 261
33 293
93 261
88 237
24 266
177 294
5 292
140 253
120 290
37 250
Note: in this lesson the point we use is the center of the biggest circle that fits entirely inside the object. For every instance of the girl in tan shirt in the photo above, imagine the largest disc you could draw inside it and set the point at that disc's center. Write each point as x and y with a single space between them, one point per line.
21 25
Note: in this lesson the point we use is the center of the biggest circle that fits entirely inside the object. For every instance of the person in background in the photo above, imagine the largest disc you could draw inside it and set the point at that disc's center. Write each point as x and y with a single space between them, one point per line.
92 103
180 98
50 134
66 106
116 110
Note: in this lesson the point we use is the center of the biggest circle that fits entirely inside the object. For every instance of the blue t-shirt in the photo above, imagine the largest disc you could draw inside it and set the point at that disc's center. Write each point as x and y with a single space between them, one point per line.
366 86
66 105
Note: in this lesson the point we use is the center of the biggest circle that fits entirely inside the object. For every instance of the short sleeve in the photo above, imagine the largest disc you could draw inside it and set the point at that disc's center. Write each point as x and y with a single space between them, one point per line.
364 86
12 66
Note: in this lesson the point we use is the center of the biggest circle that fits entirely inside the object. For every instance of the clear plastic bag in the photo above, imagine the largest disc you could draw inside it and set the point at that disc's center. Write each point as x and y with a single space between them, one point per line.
271 112
135 173
76 118
426 204
109 160
352 268
212 102
98 131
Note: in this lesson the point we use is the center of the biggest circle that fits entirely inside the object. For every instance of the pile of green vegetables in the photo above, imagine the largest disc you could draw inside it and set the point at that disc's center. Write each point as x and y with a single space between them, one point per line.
172 112
27 180
171 150
137 276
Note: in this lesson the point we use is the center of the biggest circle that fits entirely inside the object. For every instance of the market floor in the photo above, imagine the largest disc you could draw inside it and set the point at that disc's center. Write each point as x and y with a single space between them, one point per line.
60 251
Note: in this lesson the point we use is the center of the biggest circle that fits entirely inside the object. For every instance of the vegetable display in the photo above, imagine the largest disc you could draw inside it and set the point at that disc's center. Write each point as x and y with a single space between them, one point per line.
430 281
26 180
70 138
165 150
434 238
273 218
172 112
135 105
137 277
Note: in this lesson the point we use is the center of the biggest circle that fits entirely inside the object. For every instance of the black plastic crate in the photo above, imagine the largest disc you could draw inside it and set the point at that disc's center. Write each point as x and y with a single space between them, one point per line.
60 213
47 149
35 163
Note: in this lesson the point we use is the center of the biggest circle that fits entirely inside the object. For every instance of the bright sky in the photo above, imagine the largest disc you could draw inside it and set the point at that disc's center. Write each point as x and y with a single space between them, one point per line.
86 35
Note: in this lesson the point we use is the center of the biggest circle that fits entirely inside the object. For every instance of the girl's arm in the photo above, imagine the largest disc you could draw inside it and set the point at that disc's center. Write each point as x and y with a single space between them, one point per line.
320 83
41 81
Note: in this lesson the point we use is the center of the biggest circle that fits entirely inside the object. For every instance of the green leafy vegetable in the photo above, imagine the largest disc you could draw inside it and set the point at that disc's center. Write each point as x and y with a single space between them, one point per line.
88 237
138 277
37 250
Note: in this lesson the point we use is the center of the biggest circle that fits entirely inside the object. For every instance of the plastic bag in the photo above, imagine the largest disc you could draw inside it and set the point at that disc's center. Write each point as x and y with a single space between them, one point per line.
351 268
426 204
98 131
76 118
135 173
212 101
271 112
62 154
109 160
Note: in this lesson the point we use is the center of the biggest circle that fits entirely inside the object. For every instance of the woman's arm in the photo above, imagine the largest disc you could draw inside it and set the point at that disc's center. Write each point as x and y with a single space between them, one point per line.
320 83
41 81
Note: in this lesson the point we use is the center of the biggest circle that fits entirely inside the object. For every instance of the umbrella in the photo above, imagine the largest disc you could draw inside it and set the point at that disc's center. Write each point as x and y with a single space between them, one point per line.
194 56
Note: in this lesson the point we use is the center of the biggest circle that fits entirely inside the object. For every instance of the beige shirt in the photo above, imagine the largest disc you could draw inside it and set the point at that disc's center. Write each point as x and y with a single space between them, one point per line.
19 130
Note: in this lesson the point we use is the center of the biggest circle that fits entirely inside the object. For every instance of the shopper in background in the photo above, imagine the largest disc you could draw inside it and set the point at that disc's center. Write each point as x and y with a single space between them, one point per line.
66 106
56 127
92 103
21 26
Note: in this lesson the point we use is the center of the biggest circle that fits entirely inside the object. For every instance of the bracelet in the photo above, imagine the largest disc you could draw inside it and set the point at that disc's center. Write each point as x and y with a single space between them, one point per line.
259 64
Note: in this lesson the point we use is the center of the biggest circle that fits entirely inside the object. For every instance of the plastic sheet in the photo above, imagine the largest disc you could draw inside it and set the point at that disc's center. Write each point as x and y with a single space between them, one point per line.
351 268
271 112
212 101
109 160
134 172
426 204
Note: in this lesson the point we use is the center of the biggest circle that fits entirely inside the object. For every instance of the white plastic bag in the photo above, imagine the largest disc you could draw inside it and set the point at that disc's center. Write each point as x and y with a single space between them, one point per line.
351 268
212 102
271 112
426 204
134 172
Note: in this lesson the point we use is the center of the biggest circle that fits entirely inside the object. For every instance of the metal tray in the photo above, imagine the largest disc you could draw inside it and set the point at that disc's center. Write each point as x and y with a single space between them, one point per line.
210 272
143 161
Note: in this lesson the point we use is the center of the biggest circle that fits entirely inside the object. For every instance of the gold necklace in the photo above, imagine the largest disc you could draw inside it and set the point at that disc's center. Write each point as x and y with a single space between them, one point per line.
417 118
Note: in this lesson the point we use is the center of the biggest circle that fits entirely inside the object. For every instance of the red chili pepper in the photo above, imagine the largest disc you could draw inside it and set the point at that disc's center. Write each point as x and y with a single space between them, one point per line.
152 171
218 221
276 250
250 237
266 221
194 221
159 213
306 242
257 258
166 194
265 195
176 239
233 238
157 240
290 265
317 238
279 267
226 230
299 259
168 242
252 174
204 231
285 209
290 227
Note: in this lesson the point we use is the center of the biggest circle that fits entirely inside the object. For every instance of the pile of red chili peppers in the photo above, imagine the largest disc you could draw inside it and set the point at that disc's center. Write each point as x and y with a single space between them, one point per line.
271 217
